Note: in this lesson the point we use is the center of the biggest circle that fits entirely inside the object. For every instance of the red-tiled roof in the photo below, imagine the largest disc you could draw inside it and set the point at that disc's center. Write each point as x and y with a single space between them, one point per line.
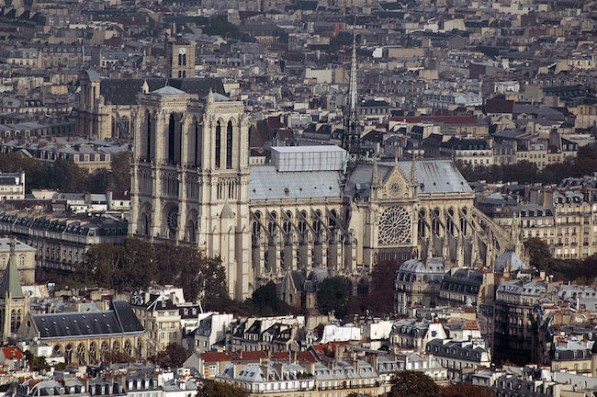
12 353
252 356
212 357
301 357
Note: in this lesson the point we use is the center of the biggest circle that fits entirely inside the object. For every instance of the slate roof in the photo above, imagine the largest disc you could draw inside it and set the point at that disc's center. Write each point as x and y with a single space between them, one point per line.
168 90
437 176
119 320
124 91
455 349
10 179
434 176
433 265
19 246
267 183
510 260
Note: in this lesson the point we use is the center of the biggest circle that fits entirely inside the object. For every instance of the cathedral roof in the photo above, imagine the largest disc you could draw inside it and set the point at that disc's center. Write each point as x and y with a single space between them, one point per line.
168 90
433 176
437 176
124 91
266 183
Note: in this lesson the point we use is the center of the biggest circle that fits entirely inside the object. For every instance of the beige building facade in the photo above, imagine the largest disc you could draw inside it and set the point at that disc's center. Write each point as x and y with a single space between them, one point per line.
12 186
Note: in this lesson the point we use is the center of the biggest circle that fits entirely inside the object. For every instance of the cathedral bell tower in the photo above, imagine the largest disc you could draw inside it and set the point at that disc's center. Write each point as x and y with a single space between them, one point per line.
191 177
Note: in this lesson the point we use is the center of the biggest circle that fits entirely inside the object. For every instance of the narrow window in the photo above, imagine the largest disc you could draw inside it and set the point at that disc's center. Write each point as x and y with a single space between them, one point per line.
218 143
229 146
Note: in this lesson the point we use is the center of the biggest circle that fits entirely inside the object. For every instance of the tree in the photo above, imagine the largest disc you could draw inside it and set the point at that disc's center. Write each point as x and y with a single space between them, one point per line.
99 181
219 389
188 269
265 301
212 277
118 357
413 384
526 172
66 176
121 172
465 390
334 294
381 296
539 252
140 266
125 266
36 363
172 357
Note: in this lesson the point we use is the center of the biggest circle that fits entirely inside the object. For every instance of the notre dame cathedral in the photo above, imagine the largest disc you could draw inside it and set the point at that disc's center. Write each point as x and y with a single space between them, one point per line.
311 209
194 182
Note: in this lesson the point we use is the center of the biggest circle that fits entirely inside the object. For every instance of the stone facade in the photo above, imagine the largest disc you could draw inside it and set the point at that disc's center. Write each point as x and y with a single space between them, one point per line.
193 183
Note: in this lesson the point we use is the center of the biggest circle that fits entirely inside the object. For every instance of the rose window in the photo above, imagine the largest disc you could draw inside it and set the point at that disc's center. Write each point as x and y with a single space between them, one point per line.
395 226
395 187
172 220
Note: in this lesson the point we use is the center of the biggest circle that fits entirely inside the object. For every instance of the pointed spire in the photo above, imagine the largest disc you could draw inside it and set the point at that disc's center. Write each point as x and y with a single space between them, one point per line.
375 182
413 173
353 89
514 228
210 96
167 83
11 282
351 138
145 87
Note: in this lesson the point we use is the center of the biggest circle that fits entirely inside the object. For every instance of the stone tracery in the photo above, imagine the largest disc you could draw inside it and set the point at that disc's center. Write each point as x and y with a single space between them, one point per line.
395 226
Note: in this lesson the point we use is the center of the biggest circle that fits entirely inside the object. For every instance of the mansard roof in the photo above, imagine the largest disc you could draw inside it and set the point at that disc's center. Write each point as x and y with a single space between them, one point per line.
119 320
124 91
433 265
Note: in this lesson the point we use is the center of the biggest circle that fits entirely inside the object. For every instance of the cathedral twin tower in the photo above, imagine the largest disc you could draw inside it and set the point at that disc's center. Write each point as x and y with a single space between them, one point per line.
191 174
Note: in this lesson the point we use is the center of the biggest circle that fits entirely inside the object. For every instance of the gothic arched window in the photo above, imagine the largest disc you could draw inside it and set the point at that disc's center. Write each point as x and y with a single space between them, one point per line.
171 140
229 145
198 142
218 144
148 137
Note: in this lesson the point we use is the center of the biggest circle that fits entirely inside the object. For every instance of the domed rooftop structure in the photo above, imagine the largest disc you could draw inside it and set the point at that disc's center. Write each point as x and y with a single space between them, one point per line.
432 265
